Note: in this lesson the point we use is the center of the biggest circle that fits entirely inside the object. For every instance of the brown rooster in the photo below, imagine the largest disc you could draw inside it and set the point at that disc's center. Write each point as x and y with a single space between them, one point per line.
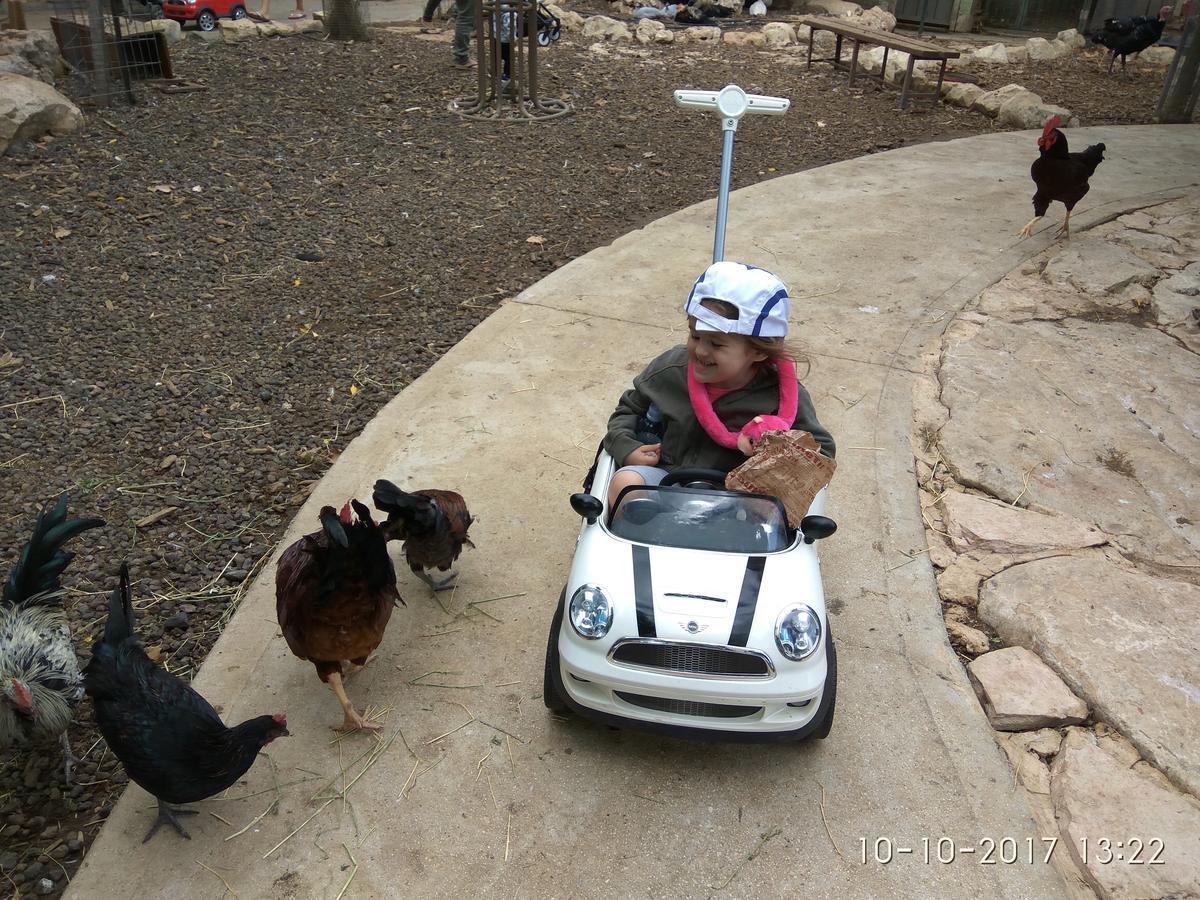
334 593
433 525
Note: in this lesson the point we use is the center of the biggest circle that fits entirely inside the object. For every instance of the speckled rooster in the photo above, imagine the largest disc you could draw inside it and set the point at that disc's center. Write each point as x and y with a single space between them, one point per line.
39 675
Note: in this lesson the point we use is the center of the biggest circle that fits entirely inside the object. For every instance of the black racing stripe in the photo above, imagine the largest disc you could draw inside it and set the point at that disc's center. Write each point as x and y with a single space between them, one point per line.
747 601
643 592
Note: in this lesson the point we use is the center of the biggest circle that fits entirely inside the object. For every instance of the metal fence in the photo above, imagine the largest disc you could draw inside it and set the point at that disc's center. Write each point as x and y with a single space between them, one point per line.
109 46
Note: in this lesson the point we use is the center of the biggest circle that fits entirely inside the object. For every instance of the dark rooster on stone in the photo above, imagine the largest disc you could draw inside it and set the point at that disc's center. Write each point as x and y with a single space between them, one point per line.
169 738
433 525
39 675
1060 175
334 594
1131 34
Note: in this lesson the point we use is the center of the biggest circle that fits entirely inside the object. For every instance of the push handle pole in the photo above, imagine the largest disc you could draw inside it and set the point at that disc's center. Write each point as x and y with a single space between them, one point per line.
732 103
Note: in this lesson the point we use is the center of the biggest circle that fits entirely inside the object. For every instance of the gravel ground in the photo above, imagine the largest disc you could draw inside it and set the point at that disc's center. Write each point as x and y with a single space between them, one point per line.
1078 82
208 295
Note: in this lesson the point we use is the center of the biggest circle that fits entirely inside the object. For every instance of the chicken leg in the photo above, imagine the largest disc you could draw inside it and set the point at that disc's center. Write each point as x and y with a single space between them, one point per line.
434 585
1065 230
166 816
69 758
353 721
1028 229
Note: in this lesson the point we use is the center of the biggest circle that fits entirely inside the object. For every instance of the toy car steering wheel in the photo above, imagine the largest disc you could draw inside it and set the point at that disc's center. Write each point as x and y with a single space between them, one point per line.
714 477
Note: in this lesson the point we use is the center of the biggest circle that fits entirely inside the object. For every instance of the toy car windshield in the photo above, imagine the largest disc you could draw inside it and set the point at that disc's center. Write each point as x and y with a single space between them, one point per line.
699 519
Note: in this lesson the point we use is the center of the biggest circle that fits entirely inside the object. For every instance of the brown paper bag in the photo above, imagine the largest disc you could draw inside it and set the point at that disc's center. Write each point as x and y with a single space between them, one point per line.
787 465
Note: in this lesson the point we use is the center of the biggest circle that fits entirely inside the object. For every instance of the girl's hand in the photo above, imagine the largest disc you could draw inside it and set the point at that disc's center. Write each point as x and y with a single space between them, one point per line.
645 455
745 445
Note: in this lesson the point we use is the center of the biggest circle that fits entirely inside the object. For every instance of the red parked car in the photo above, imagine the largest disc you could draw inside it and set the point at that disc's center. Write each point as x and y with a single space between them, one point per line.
203 12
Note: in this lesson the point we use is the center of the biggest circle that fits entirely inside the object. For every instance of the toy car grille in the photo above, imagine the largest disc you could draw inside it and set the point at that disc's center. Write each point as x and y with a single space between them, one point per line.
693 659
690 707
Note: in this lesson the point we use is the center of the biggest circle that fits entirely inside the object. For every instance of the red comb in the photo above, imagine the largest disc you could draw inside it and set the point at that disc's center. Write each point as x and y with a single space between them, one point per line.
280 719
1054 122
346 515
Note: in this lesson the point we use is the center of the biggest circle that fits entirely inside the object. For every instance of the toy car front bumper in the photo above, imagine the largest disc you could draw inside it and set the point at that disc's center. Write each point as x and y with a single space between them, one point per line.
785 707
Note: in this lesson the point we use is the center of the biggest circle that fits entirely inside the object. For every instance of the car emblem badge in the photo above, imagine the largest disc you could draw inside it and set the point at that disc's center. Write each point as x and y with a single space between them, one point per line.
694 627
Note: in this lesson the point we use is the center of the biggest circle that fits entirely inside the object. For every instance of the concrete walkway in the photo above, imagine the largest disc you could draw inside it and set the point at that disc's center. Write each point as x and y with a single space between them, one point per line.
880 252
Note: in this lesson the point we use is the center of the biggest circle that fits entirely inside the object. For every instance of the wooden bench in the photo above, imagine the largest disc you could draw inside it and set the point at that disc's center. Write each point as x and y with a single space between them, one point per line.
842 29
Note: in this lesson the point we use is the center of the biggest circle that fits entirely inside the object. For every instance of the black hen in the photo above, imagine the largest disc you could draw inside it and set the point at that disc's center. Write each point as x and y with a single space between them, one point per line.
1130 34
39 675
169 738
1060 175
433 525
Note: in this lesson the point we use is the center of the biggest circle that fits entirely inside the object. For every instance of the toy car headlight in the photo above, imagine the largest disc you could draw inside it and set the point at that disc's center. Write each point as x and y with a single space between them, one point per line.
591 613
797 632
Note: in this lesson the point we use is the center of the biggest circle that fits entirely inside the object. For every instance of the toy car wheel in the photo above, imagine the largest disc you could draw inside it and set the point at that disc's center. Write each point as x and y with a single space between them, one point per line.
550 694
555 34
239 12
543 39
822 731
206 21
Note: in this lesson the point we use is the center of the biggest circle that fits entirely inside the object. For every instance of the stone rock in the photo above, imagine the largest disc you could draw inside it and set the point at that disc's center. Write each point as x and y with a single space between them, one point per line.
877 17
963 95
1042 49
992 53
607 29
33 54
1028 296
1157 56
959 582
571 21
698 34
1092 792
171 30
744 39
1019 692
982 523
1045 742
1086 419
803 33
647 30
30 108
969 640
1072 39
1122 641
757 8
1018 54
1175 304
871 60
284 29
778 34
237 31
19 65
306 26
989 102
1097 267
1022 112
1031 770
822 40
832 8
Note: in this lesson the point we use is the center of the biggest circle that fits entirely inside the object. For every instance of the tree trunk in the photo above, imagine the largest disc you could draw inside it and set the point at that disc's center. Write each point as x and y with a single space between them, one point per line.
1178 101
344 22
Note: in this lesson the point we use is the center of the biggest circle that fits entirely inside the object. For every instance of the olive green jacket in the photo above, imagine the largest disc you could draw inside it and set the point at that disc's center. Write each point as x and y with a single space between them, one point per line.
685 443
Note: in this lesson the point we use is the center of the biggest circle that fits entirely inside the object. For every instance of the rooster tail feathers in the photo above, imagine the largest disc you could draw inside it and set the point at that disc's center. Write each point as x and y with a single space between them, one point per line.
120 611
34 578
332 523
1094 155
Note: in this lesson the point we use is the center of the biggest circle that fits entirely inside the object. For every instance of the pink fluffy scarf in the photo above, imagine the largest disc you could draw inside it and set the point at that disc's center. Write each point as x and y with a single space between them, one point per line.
759 425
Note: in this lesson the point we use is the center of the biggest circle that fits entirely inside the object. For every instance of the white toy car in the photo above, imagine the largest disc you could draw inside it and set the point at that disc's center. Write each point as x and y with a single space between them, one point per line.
696 611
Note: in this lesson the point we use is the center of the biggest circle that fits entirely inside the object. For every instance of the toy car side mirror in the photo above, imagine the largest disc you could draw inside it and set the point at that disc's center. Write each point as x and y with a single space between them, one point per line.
587 506
816 527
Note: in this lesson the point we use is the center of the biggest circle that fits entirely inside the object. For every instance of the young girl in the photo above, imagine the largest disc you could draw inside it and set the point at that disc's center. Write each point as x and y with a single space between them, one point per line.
706 404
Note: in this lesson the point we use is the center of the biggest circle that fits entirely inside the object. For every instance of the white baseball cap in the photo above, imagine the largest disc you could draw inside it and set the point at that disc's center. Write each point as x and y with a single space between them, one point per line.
761 300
